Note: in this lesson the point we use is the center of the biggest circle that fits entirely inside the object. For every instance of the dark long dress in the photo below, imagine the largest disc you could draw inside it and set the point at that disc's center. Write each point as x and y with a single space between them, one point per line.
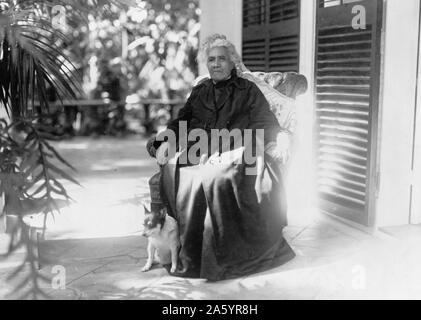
230 222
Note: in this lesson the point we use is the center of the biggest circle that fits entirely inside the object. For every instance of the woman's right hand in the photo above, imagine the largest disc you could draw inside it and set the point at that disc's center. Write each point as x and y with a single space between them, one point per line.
150 147
162 154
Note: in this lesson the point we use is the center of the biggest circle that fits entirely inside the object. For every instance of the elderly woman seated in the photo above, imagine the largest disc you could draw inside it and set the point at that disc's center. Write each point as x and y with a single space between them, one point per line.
220 175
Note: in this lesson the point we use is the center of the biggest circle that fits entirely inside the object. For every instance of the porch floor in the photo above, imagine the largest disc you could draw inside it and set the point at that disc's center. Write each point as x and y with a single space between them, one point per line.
97 241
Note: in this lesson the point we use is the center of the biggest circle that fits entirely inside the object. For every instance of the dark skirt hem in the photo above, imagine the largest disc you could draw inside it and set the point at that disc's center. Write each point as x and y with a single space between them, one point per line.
285 255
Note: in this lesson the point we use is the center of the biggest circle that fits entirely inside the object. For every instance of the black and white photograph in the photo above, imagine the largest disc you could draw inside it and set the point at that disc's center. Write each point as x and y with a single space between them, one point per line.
210 155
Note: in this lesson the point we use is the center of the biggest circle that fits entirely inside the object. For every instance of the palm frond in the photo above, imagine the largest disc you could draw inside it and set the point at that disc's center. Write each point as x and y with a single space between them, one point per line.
31 61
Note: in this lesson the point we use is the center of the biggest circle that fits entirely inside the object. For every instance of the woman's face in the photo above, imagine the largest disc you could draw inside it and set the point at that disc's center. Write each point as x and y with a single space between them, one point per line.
219 64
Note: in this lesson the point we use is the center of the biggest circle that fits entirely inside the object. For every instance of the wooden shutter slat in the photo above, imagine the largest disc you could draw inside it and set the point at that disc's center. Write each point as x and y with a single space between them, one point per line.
344 130
352 176
357 43
340 186
342 114
360 35
256 47
342 200
253 45
344 99
342 193
344 29
333 86
344 143
255 62
343 153
326 100
350 38
344 163
332 80
346 72
328 65
335 68
284 60
282 65
352 61
282 47
347 90
343 124
357 175
344 146
343 137
255 56
283 55
344 54
283 4
347 155
355 97
341 106
278 52
332 180
343 109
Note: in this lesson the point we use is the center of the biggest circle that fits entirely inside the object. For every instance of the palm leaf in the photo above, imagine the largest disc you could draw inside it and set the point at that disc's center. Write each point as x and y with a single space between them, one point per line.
58 156
61 172
31 62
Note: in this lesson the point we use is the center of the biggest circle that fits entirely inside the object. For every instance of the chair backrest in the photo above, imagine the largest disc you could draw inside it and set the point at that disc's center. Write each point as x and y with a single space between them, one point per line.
294 85
291 84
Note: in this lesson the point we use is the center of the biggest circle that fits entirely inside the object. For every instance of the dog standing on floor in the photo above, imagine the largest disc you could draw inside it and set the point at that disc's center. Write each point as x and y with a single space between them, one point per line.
163 239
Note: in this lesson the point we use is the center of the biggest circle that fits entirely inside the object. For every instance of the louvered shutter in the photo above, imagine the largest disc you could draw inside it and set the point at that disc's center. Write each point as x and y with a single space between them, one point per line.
347 91
271 31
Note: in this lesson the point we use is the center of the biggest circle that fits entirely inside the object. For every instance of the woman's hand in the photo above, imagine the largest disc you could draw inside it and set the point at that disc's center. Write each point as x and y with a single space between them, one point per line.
150 148
162 154
281 151
283 146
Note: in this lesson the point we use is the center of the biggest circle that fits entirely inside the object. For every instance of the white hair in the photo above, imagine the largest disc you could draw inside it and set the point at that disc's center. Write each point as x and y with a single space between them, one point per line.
219 40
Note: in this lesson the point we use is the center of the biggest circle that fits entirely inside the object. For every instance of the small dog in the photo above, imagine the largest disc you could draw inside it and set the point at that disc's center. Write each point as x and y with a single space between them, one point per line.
163 239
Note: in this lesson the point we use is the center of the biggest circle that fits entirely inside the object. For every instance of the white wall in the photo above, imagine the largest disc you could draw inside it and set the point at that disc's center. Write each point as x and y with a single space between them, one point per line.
397 111
300 184
224 17
416 195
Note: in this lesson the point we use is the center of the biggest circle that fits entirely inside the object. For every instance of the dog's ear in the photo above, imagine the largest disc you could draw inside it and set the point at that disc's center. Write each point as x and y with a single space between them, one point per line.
163 212
162 215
